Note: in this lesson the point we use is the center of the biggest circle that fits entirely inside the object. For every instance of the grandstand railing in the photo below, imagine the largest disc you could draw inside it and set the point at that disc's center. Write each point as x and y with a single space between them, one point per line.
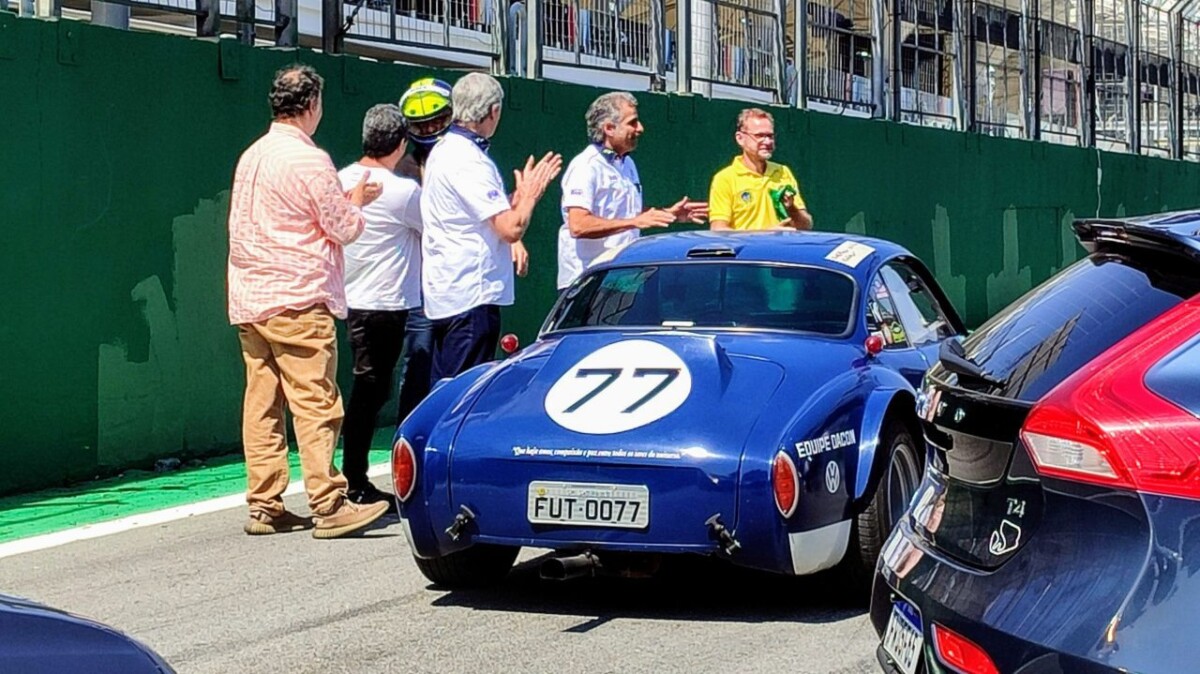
473 26
603 34
840 51
1116 74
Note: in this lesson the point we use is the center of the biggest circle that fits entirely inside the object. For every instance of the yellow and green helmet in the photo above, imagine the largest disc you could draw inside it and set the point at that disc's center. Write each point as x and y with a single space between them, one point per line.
427 107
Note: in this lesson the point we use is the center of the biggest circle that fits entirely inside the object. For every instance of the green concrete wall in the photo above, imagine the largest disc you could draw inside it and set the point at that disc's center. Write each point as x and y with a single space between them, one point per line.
116 156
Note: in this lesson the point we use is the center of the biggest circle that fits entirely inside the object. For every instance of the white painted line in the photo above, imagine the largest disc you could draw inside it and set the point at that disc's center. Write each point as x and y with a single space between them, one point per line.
99 529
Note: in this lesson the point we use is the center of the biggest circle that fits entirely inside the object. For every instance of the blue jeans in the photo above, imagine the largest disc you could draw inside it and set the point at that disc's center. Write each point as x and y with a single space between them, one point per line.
417 363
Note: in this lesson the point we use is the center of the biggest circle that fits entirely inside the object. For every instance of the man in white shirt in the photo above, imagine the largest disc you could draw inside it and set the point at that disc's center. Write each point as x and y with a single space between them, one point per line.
383 284
602 193
470 225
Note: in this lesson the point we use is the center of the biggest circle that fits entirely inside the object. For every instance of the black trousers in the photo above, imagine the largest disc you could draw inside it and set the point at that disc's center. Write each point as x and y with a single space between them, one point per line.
376 340
465 340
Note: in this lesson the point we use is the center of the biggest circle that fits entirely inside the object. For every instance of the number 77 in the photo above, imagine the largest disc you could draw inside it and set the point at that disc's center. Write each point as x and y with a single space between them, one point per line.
669 374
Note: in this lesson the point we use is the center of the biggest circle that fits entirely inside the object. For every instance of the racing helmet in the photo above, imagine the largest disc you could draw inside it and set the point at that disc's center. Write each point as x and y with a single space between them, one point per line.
428 109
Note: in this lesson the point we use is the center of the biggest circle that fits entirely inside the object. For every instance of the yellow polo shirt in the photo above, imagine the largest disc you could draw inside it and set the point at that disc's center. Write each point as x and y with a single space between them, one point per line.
748 200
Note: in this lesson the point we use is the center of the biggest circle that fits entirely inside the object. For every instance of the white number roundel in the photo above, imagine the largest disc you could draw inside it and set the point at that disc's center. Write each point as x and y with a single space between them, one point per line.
619 387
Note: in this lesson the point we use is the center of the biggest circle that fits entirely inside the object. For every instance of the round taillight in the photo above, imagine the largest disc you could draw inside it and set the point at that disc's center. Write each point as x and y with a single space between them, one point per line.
874 345
509 343
785 482
404 469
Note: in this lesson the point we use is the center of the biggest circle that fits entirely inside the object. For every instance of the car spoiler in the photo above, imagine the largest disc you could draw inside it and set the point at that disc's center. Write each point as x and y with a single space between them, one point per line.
1176 235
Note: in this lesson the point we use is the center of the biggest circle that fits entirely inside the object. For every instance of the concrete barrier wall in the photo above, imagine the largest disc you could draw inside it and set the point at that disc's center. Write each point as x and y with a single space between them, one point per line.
116 157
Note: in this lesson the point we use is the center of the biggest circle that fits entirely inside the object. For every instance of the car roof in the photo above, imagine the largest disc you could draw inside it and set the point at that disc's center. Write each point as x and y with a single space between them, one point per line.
791 247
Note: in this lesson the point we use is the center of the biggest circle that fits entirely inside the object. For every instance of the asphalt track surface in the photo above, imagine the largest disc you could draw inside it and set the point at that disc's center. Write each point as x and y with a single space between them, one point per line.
213 600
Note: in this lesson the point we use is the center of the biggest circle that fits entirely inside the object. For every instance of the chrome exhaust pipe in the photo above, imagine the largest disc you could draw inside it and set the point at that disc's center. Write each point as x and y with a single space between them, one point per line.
566 568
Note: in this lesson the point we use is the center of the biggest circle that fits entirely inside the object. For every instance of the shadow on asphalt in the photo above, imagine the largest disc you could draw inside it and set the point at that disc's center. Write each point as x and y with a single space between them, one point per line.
686 588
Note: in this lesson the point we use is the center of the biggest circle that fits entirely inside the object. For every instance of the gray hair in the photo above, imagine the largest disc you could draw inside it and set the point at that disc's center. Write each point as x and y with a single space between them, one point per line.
473 96
383 130
606 109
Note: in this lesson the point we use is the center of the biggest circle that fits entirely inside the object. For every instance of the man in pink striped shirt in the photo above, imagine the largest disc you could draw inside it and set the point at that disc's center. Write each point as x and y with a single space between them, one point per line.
288 221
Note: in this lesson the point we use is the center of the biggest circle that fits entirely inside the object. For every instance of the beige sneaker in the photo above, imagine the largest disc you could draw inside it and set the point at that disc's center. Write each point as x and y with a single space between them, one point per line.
348 518
262 524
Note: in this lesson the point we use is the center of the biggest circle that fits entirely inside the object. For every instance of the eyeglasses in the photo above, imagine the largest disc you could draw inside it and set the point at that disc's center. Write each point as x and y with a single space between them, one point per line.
760 137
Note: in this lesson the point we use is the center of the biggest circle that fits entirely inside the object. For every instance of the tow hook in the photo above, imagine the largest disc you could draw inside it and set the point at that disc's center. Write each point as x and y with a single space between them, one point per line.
718 530
464 517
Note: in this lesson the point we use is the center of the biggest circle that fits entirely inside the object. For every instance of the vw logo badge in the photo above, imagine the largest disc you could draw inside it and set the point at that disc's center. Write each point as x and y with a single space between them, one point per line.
833 477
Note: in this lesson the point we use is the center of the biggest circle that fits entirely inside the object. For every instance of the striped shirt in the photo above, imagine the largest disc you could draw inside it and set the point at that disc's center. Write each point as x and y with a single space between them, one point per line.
288 221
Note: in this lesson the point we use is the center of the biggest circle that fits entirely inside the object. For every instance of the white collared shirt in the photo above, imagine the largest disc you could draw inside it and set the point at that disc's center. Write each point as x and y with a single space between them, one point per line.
383 265
606 186
465 263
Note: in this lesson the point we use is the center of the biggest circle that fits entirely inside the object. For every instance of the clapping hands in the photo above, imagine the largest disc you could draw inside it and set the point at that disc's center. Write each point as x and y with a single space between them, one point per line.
532 180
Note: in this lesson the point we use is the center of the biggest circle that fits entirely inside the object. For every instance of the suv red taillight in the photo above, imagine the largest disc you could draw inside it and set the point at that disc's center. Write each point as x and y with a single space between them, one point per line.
404 469
785 482
1103 425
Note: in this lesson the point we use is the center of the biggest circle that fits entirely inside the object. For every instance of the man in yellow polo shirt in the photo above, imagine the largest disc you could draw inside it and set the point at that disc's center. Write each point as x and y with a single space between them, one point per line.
753 193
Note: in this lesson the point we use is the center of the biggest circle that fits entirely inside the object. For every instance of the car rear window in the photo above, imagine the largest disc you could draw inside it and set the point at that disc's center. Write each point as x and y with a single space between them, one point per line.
1175 377
710 295
1056 328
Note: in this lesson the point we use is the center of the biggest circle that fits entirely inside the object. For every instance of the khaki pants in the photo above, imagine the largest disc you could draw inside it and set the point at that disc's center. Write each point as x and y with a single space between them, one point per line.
292 358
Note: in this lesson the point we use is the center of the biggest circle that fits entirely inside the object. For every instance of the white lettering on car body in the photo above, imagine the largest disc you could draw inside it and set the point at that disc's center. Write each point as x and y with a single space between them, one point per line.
826 443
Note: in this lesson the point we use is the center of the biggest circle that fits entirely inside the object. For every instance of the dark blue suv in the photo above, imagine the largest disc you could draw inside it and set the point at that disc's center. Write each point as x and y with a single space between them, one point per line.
1057 527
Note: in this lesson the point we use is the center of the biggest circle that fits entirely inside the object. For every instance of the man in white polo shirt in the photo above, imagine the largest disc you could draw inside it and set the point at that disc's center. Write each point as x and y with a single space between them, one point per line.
470 226
383 284
602 193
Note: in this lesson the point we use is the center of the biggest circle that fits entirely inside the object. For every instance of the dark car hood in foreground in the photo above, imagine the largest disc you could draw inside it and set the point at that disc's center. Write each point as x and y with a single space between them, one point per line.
35 638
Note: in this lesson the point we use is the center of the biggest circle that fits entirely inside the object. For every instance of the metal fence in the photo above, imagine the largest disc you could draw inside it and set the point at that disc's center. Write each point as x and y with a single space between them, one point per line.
738 43
443 25
187 7
1115 74
258 13
839 52
1155 73
999 46
606 34
924 53
1058 72
1189 72
206 17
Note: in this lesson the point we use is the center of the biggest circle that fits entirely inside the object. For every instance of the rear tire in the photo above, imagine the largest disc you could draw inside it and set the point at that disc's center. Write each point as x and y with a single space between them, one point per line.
899 481
477 566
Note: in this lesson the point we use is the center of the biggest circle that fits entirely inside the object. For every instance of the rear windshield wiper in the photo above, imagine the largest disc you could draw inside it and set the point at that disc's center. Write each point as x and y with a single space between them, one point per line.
954 358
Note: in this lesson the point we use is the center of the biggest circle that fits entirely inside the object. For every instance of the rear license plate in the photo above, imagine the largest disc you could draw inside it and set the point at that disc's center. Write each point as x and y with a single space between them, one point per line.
903 637
589 505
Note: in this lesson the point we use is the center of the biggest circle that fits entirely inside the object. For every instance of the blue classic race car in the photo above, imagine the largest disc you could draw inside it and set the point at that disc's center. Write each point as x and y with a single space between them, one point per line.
749 396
